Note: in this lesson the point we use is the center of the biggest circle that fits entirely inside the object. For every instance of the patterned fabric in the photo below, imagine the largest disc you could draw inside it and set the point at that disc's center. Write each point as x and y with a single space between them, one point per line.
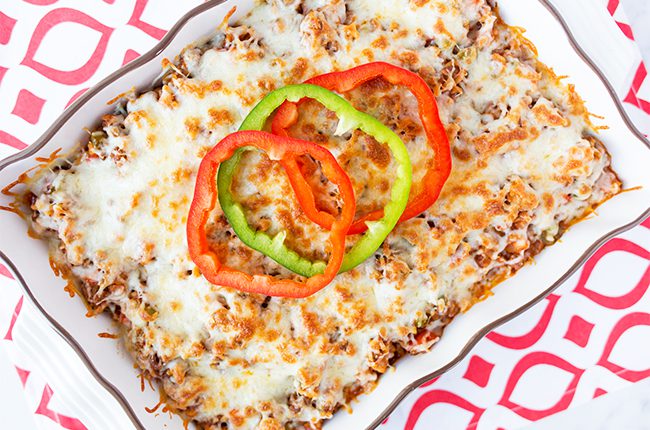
587 339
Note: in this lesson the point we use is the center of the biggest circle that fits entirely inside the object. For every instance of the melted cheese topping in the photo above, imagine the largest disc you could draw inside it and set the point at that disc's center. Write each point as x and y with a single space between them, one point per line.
525 166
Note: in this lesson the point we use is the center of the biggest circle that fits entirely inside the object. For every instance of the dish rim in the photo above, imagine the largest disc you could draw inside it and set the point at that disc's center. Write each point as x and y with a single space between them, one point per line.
151 55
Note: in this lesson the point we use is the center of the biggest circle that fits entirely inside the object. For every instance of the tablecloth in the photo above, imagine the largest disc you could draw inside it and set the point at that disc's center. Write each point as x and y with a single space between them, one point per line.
586 339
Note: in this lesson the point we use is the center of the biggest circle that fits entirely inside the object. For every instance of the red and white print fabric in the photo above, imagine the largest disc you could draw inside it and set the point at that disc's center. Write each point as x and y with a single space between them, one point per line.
581 342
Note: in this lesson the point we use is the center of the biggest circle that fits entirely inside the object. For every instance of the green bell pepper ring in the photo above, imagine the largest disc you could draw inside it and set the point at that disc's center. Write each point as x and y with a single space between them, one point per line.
349 119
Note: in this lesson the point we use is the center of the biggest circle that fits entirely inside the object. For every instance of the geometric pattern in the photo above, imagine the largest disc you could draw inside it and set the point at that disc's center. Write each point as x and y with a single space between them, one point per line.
573 346
579 331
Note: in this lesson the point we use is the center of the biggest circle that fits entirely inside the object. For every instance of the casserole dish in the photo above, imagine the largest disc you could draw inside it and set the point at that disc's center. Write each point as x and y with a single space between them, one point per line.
610 218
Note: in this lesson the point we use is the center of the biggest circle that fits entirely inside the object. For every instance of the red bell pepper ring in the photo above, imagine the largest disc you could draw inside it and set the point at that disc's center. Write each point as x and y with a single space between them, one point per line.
206 197
438 171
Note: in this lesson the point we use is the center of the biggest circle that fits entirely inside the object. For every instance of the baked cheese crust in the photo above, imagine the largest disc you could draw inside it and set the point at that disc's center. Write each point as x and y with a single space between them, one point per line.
526 165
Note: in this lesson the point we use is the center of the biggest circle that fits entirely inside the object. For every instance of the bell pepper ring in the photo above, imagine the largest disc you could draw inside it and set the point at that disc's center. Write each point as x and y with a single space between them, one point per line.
205 198
437 172
349 119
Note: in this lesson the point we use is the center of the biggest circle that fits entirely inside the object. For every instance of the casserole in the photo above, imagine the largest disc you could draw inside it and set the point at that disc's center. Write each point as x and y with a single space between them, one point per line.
624 179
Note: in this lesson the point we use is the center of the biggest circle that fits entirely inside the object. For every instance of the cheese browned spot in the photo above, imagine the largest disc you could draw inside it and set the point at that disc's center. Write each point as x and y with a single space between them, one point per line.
526 165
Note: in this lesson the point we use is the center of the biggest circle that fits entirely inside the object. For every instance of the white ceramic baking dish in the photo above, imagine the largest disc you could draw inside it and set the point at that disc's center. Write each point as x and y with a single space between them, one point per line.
28 260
